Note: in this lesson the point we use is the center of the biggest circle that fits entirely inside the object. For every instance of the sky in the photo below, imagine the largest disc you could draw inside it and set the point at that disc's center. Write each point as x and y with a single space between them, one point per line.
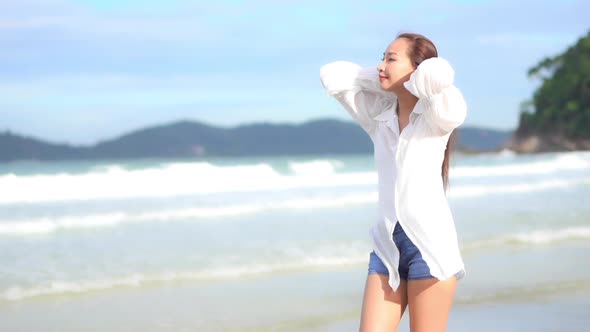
81 71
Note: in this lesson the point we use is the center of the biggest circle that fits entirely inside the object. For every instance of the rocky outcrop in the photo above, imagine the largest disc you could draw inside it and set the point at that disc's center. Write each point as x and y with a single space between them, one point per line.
545 143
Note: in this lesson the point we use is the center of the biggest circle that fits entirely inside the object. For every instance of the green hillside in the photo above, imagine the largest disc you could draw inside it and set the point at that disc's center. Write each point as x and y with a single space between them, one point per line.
559 111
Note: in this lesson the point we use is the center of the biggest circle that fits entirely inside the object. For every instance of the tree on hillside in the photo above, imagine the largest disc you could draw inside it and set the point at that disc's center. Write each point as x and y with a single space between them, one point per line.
561 105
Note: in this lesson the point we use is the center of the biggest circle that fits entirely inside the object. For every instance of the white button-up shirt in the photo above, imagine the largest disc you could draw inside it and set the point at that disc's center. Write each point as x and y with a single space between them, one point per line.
408 165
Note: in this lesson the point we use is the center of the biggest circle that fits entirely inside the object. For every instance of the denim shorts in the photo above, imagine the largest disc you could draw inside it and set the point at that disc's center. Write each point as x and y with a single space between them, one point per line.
411 264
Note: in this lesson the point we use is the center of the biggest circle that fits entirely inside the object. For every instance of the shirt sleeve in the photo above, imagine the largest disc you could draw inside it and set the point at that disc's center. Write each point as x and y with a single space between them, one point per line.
358 90
447 110
432 82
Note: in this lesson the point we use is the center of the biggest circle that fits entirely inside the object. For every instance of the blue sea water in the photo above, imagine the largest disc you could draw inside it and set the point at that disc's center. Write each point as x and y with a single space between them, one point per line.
277 244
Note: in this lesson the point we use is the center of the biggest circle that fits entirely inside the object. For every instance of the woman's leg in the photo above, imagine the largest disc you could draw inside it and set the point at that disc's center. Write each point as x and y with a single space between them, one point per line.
382 307
430 303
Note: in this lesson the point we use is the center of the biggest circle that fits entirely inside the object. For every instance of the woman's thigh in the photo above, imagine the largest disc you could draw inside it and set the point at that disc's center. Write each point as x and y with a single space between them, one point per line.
382 307
430 303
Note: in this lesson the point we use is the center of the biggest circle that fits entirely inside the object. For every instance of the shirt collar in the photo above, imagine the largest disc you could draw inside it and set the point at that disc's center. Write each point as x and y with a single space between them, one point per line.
387 115
419 108
390 113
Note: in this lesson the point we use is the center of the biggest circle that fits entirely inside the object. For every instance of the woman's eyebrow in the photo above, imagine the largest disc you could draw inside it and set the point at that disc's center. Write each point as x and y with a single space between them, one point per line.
389 53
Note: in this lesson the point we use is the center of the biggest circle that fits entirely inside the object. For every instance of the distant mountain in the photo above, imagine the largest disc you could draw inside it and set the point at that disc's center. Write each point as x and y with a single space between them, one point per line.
475 139
17 147
194 139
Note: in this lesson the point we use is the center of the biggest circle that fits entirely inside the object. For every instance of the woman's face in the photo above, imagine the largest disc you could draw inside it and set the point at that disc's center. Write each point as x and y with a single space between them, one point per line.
396 67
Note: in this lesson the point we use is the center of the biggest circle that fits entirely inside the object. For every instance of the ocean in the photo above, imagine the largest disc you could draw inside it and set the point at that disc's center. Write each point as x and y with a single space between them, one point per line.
278 243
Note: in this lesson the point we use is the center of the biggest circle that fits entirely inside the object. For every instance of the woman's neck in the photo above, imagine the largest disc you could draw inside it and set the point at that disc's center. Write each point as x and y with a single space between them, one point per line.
406 102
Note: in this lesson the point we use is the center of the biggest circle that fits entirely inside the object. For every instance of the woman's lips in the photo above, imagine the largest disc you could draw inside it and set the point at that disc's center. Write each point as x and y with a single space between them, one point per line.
382 78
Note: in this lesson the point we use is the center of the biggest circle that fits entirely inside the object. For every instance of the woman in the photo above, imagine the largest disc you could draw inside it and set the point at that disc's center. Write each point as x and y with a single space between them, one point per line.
409 107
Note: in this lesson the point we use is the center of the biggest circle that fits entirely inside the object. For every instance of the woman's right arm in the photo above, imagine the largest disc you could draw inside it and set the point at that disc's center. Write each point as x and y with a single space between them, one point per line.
432 82
358 90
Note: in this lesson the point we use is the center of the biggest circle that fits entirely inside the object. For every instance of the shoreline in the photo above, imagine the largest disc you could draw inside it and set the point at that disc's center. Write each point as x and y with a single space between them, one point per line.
276 303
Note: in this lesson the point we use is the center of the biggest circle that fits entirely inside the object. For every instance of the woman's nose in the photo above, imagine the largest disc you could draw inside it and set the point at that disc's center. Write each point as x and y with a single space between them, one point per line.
380 67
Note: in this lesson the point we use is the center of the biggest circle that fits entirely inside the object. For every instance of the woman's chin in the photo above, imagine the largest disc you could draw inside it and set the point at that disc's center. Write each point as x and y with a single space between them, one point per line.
386 87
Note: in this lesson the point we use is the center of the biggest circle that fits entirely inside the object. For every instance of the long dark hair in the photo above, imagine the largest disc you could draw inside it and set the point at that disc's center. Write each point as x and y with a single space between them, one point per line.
420 49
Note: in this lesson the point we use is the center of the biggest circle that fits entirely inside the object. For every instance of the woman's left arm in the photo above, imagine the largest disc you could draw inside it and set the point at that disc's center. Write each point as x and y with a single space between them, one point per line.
432 82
